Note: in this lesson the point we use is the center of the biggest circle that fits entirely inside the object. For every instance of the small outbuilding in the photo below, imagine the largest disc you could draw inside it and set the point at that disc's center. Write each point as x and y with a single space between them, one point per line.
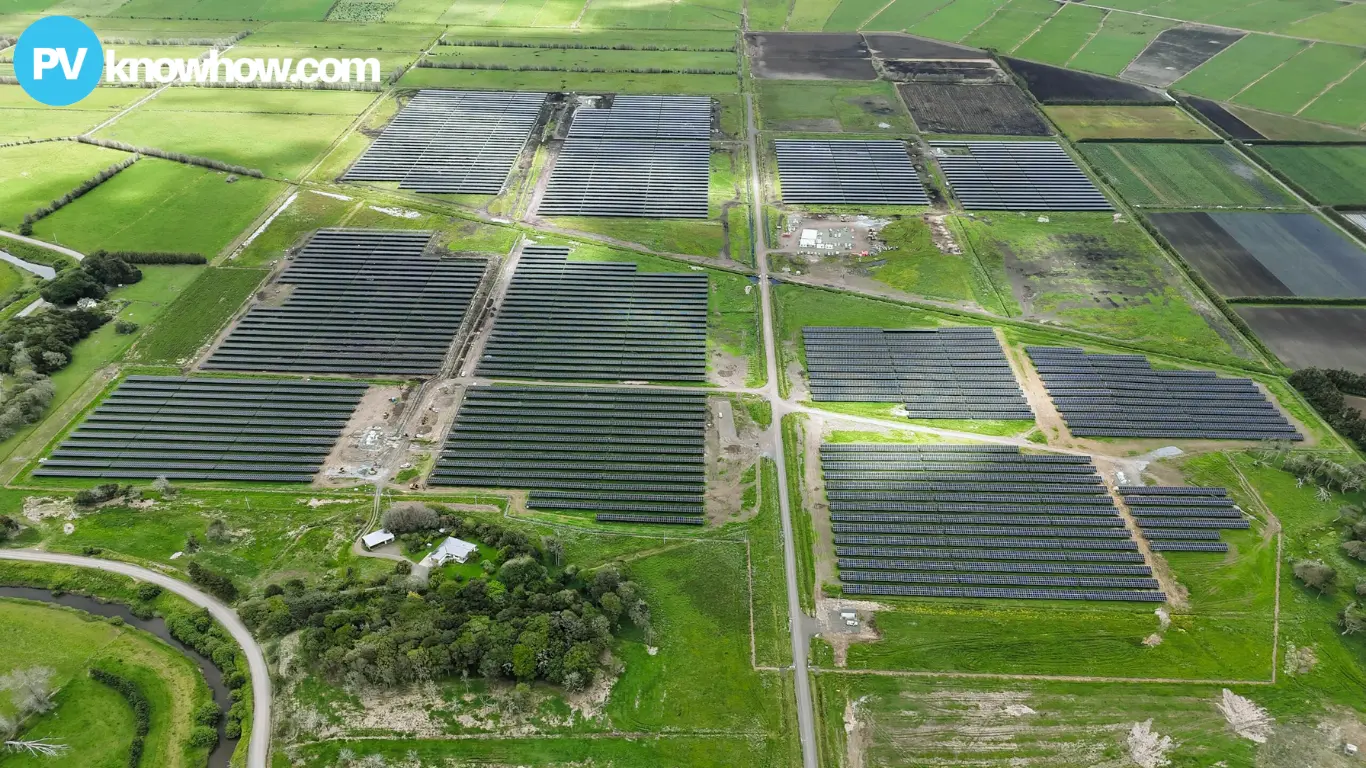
450 550
376 539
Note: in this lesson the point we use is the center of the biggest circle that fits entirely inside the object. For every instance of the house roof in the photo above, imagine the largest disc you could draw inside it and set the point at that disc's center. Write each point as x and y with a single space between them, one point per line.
377 538
457 548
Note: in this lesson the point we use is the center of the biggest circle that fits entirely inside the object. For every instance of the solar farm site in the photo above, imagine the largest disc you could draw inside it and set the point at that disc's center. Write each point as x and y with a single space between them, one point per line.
597 320
452 142
359 302
632 456
946 373
646 156
1124 396
978 521
847 172
1183 519
1016 176
260 430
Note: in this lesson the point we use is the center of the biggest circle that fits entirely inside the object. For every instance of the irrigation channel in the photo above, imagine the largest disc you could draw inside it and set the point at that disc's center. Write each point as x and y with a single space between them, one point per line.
221 754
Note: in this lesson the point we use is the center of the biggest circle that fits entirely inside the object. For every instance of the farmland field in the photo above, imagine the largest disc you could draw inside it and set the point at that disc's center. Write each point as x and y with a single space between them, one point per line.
590 82
566 59
196 315
1332 175
1225 75
1286 128
951 108
956 20
831 107
1121 37
265 10
1063 36
1185 176
1011 24
1177 51
1119 122
1343 104
36 174
158 205
1294 85
1303 337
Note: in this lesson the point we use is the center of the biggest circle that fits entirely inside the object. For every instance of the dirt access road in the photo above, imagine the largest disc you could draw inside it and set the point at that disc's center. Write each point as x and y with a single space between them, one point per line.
258 749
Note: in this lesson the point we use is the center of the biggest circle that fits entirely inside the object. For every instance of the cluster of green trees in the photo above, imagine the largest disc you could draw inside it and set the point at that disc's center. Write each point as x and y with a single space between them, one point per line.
92 280
1326 390
215 583
1325 473
198 630
177 157
31 349
517 620
142 710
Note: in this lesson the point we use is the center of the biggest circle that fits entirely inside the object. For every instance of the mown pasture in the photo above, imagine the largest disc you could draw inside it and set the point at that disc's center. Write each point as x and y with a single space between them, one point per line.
1063 36
1293 86
1247 60
497 57
831 107
1011 24
196 315
1286 128
1121 37
258 10
158 205
1185 176
34 175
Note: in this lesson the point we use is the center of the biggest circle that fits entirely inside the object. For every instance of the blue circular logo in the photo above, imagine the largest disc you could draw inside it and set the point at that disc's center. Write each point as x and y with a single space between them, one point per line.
58 60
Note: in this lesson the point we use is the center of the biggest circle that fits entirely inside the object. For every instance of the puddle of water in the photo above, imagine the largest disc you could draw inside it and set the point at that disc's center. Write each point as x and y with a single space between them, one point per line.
223 752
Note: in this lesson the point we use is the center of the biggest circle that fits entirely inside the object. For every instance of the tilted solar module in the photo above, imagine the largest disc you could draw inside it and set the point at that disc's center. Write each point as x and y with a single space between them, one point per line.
564 319
452 142
848 172
1173 517
267 430
360 301
1016 176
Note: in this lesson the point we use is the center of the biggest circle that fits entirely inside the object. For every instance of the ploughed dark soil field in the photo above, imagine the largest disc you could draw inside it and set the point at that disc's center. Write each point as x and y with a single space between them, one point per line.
811 56
1229 122
1177 51
1267 254
1303 337
1057 85
892 46
972 109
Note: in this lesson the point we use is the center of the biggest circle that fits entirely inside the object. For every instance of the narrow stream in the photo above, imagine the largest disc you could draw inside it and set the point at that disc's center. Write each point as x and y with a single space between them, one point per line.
45 272
223 752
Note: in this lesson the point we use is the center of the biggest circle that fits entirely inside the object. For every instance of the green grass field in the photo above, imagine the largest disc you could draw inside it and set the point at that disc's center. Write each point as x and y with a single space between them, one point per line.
956 20
22 118
915 265
1013 22
309 211
1185 176
1063 36
196 315
1333 175
1121 37
646 14
91 718
1346 24
831 106
1223 76
901 14
333 34
1292 86
157 205
33 175
672 39
261 10
1343 104
1123 122
585 82
1286 128
568 59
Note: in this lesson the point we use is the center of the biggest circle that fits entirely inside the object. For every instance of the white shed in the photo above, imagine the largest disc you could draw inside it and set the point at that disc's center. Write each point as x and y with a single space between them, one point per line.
376 539
452 549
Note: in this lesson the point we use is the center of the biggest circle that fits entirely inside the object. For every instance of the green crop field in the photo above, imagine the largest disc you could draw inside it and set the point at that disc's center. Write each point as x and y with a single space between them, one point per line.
1292 86
260 10
1343 104
158 205
956 20
385 37
1344 24
568 81
1185 176
832 106
810 15
1286 128
1121 37
611 61
1122 122
1063 36
852 14
1011 24
1242 63
1333 175
901 14
196 315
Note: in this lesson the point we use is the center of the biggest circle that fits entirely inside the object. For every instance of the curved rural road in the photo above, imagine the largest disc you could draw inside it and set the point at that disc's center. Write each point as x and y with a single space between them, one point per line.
78 256
258 751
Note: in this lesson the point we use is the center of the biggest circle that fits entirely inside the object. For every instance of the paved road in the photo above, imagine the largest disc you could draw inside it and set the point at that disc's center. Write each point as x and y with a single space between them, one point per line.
59 249
258 751
806 719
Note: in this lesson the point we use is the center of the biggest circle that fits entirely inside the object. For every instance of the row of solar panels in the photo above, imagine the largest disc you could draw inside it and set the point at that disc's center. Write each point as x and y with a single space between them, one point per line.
1016 175
848 172
906 590
991 566
1175 519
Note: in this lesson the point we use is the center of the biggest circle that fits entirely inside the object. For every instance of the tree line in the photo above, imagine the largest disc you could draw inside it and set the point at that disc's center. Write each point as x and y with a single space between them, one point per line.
26 228
1326 390
178 157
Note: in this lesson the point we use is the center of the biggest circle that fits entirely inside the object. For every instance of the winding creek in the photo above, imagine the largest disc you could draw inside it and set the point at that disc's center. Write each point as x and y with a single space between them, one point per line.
43 271
221 754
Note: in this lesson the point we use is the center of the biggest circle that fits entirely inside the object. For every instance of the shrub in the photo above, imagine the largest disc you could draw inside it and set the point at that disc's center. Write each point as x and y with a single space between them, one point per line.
148 592
1324 390
160 257
1316 575
97 495
142 710
110 269
217 584
71 286
203 736
207 714
9 527
124 328
410 517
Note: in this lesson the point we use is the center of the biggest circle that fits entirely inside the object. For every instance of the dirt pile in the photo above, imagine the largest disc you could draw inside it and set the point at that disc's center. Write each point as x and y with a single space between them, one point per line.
1245 717
1147 748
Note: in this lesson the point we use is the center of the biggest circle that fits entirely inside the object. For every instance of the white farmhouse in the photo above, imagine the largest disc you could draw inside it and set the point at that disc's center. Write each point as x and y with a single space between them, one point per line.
450 550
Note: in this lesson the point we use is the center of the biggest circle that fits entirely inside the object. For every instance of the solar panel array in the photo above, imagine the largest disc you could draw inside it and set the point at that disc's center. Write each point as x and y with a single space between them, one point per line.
598 320
632 455
839 172
265 430
1016 176
978 521
646 156
1183 519
943 373
463 142
1123 396
367 302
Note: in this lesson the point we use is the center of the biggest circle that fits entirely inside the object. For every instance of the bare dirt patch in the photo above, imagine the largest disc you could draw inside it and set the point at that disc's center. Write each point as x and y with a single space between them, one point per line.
367 438
810 56
833 626
733 446
39 508
1147 748
856 735
1245 718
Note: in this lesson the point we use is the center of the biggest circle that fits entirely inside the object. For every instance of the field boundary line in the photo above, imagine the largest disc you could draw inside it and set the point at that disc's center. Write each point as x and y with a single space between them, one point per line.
1042 678
1089 38
1266 74
578 20
1330 87
983 23
869 20
1215 26
126 110
1280 542
1042 24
